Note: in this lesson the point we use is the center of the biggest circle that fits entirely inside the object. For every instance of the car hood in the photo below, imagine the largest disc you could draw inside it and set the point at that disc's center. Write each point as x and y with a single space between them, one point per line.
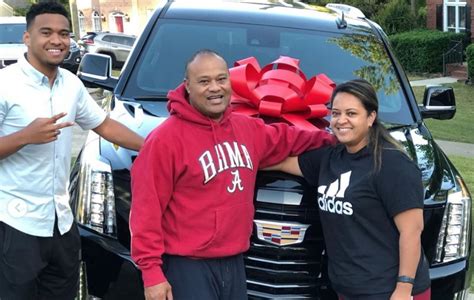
11 51
132 115
418 143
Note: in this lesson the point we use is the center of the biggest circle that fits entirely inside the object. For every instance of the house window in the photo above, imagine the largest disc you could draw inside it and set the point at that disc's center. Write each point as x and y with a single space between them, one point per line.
454 15
96 22
82 29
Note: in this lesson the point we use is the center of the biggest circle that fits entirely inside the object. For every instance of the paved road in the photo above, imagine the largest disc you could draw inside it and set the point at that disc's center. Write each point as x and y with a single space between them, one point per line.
433 81
458 149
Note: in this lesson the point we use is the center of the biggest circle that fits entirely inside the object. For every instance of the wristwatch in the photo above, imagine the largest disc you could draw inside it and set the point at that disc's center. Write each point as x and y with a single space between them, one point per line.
406 279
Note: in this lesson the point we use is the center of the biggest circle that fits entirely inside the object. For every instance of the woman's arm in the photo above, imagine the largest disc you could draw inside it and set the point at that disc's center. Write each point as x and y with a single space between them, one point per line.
289 165
410 225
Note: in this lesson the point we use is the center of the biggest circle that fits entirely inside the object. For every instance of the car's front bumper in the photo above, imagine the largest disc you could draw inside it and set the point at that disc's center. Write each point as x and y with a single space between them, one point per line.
450 281
112 273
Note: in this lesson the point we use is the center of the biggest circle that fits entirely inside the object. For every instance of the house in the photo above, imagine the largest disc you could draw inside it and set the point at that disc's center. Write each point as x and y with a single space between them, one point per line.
450 15
7 7
112 15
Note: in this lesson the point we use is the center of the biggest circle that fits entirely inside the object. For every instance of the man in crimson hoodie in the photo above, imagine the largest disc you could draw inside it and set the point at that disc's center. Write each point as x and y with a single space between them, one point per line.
193 184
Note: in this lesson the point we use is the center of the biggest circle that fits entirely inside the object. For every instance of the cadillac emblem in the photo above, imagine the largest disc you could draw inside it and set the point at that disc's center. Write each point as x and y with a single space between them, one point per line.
279 233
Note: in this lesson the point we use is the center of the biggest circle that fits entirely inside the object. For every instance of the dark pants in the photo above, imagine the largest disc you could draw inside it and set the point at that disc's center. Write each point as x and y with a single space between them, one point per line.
38 267
210 279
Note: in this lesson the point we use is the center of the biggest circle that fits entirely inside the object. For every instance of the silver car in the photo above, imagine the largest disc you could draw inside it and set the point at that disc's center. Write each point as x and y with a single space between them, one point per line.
11 39
12 46
116 45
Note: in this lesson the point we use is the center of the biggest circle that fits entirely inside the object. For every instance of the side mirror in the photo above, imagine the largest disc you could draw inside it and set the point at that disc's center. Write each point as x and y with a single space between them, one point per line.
95 70
438 103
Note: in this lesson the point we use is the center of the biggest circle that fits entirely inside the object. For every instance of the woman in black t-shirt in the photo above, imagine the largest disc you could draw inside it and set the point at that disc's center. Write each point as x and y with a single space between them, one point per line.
370 198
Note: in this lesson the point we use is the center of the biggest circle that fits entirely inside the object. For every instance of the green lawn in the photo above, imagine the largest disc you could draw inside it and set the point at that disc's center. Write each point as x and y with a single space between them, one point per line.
116 72
458 129
465 166
461 127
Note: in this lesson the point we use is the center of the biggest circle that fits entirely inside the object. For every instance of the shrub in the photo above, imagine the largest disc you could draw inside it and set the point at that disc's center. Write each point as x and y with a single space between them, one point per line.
369 8
395 17
470 62
421 17
422 50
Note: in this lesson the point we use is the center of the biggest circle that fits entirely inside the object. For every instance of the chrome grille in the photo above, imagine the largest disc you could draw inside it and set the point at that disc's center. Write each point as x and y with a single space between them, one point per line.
295 271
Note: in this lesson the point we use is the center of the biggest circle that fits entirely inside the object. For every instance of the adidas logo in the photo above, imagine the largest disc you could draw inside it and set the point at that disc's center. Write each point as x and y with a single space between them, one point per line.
331 199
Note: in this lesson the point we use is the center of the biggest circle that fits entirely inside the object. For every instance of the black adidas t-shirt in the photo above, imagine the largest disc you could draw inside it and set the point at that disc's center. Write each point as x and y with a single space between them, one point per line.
357 210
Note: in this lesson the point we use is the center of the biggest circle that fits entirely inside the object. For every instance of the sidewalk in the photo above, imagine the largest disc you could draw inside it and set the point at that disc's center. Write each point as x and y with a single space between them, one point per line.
433 81
457 149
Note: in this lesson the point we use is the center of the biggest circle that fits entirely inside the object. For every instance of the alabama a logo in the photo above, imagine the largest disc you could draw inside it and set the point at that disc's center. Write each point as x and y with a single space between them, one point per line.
223 157
236 183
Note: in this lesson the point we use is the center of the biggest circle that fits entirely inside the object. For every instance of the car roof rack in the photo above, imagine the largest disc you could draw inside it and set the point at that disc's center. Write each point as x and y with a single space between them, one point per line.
347 10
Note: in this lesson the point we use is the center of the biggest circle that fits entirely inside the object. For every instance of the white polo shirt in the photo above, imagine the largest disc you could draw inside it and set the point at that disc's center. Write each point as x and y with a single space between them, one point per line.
34 181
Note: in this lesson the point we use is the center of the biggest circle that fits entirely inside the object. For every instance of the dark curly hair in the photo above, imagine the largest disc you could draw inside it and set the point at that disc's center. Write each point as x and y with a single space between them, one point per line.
45 8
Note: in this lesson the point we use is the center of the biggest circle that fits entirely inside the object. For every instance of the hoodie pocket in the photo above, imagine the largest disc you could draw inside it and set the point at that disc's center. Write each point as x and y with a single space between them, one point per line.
233 227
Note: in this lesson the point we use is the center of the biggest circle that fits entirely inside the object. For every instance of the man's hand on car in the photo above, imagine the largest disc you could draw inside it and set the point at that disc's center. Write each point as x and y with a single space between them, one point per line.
160 291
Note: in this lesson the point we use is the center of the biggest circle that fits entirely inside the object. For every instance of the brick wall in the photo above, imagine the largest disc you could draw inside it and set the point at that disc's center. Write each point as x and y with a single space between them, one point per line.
136 12
431 12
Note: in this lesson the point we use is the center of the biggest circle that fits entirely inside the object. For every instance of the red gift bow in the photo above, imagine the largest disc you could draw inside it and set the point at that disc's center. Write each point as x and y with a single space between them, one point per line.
280 90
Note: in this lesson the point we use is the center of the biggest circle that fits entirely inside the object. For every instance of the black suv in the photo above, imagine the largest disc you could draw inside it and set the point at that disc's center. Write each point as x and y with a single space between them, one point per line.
336 40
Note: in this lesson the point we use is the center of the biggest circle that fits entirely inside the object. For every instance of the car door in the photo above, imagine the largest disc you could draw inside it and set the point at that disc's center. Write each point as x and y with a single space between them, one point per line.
119 47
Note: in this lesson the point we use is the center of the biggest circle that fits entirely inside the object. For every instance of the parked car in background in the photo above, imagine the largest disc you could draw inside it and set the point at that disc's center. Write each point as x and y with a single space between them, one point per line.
12 46
74 58
286 259
85 40
11 39
116 45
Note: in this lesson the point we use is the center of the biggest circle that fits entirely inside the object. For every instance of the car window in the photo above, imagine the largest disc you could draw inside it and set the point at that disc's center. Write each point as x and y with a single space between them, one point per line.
88 36
160 66
116 39
12 33
107 38
128 41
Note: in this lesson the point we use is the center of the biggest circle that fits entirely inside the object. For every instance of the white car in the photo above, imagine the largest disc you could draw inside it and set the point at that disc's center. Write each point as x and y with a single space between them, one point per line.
11 39
12 46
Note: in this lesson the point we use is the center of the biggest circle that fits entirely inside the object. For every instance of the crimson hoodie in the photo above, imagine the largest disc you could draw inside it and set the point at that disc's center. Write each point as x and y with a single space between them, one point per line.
193 183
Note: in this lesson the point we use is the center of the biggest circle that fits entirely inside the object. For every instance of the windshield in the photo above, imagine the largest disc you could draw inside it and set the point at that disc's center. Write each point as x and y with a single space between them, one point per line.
12 33
341 57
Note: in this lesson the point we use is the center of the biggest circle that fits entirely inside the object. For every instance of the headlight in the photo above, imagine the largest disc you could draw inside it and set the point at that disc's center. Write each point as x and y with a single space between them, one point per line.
95 205
453 239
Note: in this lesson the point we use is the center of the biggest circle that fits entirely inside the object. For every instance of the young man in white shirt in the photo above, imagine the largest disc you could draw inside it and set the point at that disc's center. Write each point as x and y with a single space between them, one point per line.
38 104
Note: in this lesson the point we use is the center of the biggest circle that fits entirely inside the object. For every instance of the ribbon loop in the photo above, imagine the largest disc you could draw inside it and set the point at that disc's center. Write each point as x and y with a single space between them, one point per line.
280 90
